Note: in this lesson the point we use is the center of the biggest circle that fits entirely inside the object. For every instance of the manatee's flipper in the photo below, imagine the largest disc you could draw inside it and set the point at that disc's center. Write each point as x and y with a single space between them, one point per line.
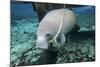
63 39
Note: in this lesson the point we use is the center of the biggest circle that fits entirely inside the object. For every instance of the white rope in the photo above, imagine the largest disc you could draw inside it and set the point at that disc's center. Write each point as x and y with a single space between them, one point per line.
61 24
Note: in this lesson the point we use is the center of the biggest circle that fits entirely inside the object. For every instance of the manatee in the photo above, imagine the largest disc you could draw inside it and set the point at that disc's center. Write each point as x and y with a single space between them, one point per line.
50 24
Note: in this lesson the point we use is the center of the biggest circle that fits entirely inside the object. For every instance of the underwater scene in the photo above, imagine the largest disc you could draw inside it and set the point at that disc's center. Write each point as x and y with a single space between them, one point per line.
25 19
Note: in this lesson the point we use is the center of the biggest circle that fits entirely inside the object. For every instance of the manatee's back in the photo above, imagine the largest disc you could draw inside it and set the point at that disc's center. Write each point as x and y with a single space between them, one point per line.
52 21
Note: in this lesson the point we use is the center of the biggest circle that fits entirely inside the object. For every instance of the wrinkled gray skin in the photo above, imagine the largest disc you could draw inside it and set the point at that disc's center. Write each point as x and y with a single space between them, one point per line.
50 24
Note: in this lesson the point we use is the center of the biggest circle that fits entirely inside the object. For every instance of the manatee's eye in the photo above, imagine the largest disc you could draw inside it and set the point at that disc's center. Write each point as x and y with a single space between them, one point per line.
47 35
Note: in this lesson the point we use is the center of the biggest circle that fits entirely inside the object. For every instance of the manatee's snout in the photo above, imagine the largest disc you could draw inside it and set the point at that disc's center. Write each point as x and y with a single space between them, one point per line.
42 43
